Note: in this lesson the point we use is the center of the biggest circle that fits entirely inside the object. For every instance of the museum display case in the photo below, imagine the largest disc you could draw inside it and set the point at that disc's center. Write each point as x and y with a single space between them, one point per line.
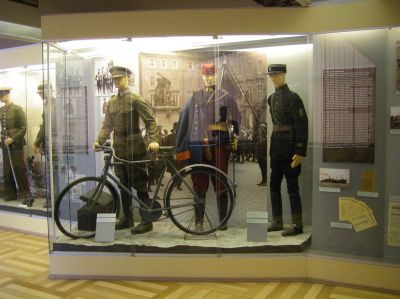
166 72
338 76
23 167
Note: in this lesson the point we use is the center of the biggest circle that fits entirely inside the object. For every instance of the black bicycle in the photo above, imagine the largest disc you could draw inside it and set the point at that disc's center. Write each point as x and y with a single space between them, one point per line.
180 202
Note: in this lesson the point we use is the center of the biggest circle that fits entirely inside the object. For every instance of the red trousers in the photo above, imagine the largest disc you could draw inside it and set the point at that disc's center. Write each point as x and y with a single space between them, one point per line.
220 156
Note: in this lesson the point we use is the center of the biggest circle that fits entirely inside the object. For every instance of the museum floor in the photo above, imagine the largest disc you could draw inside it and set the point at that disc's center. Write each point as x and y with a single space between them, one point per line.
24 274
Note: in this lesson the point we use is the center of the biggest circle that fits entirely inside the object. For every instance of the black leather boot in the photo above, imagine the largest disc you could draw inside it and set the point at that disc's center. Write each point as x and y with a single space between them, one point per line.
297 221
276 203
142 227
127 220
293 230
199 211
275 225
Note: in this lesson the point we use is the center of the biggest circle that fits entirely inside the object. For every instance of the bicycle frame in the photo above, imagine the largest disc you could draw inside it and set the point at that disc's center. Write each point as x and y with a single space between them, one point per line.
142 206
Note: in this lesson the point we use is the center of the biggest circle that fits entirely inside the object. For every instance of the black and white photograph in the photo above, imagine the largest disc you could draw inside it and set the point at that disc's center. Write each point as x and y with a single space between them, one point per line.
102 78
331 177
394 120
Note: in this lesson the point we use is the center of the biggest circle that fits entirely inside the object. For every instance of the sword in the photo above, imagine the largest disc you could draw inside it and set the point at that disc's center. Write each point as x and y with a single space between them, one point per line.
11 164
231 136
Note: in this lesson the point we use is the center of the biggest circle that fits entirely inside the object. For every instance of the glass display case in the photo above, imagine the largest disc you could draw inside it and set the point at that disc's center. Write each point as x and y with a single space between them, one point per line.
23 175
112 100
169 102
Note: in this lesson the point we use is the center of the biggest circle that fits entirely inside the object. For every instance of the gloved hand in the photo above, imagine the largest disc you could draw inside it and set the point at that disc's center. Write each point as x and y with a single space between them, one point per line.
296 160
234 143
9 140
38 150
153 147
96 147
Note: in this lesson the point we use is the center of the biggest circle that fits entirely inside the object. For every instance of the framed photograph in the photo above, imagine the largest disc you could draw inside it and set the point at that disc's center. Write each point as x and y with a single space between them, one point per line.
349 115
332 177
102 78
394 120
166 81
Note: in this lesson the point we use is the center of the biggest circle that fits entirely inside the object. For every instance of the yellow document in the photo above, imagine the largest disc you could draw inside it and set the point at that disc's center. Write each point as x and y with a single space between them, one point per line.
394 224
357 213
363 221
345 208
368 181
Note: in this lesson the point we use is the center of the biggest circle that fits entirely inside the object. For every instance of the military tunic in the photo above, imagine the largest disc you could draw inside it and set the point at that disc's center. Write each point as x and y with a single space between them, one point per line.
13 125
202 111
42 140
122 116
289 137
206 115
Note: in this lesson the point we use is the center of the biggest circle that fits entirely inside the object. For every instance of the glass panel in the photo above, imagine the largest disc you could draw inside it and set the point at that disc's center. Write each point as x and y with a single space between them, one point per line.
22 173
328 94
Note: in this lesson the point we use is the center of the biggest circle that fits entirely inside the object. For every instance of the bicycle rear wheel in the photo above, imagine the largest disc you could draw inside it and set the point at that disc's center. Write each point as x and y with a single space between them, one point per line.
192 206
79 202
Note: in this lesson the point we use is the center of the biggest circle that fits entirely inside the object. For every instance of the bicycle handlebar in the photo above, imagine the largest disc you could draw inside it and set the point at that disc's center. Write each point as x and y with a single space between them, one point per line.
107 149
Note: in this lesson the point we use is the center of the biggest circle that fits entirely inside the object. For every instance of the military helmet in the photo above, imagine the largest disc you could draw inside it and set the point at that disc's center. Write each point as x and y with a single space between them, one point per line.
4 90
43 86
119 71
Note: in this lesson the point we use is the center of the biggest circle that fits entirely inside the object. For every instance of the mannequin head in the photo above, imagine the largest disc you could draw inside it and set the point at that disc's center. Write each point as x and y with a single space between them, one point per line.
278 79
277 74
5 96
208 74
43 90
121 82
120 76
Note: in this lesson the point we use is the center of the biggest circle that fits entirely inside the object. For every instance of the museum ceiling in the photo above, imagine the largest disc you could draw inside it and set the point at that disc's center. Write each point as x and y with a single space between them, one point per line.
9 39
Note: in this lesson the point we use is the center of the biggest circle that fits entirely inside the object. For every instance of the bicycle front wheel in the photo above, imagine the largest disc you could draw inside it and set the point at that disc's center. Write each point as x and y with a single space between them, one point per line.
199 200
79 202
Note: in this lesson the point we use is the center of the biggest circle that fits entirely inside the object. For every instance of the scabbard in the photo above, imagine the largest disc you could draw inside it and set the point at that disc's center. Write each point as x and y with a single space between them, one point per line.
12 167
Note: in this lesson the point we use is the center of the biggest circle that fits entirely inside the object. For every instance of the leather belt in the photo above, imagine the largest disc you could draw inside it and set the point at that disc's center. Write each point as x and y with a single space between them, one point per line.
281 128
217 127
126 132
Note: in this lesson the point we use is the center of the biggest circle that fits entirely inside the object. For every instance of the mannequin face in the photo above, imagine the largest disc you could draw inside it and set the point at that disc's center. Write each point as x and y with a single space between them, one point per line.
209 80
44 95
121 82
5 98
278 79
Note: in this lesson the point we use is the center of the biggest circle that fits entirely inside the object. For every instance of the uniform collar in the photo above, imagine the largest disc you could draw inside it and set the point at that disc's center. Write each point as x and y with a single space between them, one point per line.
8 106
282 88
123 92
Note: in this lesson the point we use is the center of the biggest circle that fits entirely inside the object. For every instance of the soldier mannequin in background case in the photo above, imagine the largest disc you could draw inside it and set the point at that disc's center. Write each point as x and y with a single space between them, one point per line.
202 136
122 118
287 149
40 145
13 130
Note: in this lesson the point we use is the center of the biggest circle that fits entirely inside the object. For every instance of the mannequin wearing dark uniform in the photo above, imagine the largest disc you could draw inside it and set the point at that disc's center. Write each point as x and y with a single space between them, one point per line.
40 146
202 137
287 149
122 118
13 130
